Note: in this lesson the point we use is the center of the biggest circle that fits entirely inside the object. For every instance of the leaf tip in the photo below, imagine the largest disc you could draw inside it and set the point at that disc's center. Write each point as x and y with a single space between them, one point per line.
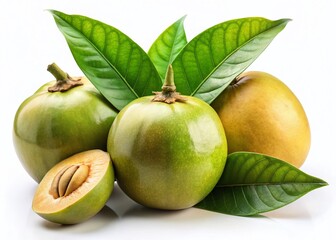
285 20
324 183
52 11
288 19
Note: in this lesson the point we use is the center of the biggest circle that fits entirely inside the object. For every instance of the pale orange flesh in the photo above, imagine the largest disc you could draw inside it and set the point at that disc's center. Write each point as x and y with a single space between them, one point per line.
45 201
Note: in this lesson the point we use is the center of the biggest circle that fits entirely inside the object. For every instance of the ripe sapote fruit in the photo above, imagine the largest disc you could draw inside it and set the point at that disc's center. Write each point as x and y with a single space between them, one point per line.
62 118
168 151
261 114
76 188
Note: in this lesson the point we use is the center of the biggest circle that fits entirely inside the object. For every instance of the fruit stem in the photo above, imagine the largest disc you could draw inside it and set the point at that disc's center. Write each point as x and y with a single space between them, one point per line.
63 81
57 72
168 93
169 85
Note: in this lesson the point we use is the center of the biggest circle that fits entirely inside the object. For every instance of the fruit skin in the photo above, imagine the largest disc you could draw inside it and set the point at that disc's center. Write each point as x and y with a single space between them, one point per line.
80 205
261 114
49 127
167 156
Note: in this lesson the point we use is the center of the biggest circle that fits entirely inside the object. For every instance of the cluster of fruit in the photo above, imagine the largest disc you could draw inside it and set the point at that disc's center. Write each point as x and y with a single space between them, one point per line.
166 155
166 151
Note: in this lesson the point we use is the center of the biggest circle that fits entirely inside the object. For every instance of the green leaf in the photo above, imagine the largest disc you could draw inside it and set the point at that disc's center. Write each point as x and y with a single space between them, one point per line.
166 47
115 64
211 60
253 183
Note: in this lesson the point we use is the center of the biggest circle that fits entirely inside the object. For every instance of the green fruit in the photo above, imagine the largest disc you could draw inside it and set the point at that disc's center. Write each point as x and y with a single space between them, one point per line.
261 114
57 122
76 188
168 151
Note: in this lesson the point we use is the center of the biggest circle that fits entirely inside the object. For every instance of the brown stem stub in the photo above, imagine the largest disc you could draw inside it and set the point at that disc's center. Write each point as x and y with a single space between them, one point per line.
236 80
65 85
63 81
169 94
168 97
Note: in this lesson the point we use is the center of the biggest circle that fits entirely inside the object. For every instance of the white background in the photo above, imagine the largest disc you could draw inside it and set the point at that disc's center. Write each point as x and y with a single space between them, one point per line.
302 55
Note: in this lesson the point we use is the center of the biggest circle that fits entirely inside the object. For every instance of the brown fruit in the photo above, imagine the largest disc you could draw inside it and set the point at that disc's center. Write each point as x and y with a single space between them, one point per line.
261 114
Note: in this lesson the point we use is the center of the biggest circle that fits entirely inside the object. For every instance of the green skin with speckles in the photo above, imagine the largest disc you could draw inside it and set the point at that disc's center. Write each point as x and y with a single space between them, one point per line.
49 127
167 156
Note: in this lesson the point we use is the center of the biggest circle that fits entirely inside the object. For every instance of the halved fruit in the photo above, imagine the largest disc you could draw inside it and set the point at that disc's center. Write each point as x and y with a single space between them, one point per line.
75 189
